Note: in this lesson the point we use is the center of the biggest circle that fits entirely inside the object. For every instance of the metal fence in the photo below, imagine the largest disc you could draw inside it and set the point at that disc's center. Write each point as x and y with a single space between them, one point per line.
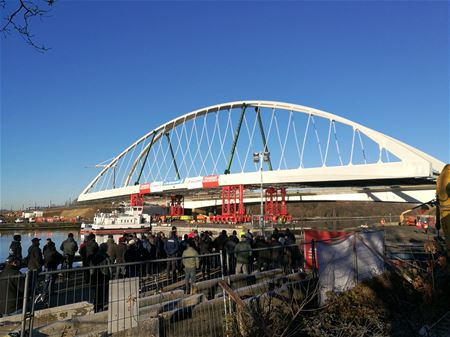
146 297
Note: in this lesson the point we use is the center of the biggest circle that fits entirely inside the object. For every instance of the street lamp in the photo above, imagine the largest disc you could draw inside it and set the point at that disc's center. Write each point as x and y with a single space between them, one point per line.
260 157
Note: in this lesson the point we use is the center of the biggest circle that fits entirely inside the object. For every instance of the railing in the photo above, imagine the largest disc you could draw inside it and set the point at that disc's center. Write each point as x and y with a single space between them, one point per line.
151 292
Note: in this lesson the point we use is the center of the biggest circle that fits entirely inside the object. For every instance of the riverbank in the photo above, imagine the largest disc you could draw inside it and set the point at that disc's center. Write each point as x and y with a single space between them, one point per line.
37 226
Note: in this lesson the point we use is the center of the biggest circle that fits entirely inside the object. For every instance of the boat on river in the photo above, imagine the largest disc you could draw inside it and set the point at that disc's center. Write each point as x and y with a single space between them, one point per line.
129 219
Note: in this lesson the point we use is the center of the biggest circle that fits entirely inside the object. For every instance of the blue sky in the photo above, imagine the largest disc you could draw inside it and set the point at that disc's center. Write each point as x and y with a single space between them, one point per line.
118 69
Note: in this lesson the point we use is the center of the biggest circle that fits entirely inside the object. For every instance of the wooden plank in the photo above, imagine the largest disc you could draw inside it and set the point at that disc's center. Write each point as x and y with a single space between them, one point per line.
234 296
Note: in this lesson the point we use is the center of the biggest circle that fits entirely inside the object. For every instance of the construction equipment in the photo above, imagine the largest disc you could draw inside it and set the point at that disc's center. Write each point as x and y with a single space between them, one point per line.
406 219
443 204
176 206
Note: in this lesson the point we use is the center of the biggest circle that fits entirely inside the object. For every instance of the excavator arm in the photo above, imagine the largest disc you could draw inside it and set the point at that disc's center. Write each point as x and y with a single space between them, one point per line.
425 206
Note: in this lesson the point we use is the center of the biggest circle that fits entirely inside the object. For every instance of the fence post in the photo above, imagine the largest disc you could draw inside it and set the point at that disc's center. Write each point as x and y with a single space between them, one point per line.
34 282
25 303
355 260
313 257
222 271
224 294
161 330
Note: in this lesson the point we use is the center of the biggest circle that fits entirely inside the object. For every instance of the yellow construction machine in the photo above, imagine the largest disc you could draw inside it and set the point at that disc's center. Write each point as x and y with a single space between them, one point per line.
443 205
410 218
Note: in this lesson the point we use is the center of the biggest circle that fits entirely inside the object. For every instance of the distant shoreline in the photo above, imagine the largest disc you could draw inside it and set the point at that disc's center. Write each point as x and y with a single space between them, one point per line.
7 227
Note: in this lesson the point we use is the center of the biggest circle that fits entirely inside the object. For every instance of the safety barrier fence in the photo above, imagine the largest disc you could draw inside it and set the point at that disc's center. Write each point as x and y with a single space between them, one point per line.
147 296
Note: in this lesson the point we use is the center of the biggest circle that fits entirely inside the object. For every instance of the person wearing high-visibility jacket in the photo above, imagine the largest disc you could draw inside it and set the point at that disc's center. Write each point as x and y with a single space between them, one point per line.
443 198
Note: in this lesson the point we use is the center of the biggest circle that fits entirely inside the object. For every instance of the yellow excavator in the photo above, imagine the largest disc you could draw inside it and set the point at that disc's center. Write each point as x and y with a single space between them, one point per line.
409 218
443 205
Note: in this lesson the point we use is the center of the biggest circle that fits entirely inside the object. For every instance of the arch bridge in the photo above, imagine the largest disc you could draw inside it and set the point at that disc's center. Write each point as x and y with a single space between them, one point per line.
307 151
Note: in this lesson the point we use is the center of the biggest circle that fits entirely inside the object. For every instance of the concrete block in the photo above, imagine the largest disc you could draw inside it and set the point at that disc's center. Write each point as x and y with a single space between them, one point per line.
172 305
160 298
204 319
242 280
207 306
206 284
253 290
296 276
90 324
209 288
61 313
267 274
146 328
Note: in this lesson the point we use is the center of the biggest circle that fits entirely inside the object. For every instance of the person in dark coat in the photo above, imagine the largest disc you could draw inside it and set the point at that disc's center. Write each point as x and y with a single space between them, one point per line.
91 247
276 251
145 248
121 248
51 261
12 284
83 252
152 247
229 248
132 254
184 243
290 235
89 250
219 242
288 254
15 249
276 233
172 248
160 242
34 258
219 246
46 245
34 263
148 252
51 257
262 256
205 247
69 247
100 277
111 251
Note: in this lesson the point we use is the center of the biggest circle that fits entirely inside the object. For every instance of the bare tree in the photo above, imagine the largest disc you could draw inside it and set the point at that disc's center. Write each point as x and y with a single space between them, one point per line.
19 15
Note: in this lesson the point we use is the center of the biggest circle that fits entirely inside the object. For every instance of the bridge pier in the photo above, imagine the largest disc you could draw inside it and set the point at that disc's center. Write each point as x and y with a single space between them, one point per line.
137 199
176 205
233 210
274 208
232 206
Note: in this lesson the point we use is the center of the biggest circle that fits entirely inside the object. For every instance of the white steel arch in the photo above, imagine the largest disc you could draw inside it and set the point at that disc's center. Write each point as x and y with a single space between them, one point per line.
178 154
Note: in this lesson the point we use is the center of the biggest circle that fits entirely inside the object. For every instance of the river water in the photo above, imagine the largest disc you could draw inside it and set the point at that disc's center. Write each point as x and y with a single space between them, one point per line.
58 236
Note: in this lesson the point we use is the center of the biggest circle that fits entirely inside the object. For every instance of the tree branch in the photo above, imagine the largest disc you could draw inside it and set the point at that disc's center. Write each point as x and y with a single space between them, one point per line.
19 20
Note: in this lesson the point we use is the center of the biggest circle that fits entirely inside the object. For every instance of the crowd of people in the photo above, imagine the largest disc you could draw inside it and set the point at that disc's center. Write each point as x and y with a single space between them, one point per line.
199 251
